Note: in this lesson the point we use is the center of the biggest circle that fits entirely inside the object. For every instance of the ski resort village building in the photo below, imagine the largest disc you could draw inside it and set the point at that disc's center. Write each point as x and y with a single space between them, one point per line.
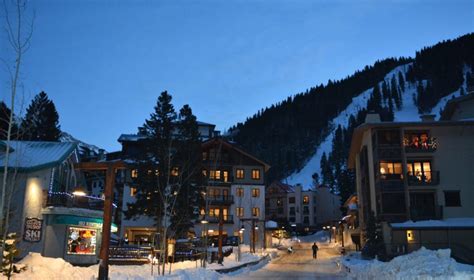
417 177
307 210
50 213
233 193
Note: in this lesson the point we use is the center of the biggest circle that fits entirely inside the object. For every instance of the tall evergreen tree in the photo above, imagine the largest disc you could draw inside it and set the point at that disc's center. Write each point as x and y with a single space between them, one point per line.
326 171
4 122
396 95
401 81
385 91
41 122
168 170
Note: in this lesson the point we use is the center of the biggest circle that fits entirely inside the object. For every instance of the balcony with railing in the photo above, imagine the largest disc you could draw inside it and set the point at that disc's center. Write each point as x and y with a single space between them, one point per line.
214 219
421 143
425 178
63 199
220 199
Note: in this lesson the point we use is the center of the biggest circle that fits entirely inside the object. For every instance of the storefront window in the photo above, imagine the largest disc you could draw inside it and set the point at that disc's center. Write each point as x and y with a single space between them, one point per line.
81 241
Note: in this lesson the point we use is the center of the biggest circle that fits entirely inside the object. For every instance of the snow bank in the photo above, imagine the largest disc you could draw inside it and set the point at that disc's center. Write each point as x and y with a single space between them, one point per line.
422 264
452 222
43 268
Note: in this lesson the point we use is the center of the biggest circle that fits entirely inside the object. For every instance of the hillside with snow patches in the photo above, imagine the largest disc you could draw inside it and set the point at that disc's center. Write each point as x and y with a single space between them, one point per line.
66 137
408 112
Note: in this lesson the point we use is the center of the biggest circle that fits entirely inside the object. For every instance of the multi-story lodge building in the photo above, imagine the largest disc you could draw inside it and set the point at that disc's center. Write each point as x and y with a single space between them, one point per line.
306 209
234 185
418 171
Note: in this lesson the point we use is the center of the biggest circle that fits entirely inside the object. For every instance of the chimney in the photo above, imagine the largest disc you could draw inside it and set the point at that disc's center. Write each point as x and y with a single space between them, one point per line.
428 118
372 117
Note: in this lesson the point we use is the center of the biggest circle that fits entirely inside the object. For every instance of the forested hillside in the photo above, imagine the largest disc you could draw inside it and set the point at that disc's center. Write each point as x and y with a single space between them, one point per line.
288 134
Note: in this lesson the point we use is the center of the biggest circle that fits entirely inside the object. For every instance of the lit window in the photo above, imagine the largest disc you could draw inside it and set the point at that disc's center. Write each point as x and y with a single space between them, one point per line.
419 172
240 192
204 172
256 174
279 201
239 211
240 174
255 211
81 241
255 192
134 173
133 191
225 176
174 171
305 199
390 170
215 174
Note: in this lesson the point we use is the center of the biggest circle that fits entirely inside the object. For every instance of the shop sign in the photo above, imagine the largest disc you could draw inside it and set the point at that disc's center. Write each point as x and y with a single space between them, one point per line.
81 221
33 228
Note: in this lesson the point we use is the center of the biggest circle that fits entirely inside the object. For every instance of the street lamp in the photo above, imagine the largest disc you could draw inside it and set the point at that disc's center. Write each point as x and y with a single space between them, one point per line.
204 223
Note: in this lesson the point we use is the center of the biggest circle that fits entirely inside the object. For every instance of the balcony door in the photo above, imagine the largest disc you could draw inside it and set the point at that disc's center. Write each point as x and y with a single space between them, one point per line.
422 206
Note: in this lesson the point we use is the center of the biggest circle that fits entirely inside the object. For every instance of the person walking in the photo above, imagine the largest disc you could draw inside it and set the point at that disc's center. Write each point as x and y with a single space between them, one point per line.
315 250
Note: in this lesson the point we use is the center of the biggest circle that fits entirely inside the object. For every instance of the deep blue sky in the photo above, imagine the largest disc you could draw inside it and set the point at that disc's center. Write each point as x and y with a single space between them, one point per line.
105 62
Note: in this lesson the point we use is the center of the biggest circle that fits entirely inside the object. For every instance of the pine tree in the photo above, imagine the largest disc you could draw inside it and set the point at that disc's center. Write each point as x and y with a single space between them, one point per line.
169 168
401 81
326 171
4 122
385 91
41 122
9 254
395 94
188 157
373 239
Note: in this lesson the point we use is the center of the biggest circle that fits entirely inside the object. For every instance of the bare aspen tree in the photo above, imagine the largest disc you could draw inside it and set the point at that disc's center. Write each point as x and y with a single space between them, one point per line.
19 39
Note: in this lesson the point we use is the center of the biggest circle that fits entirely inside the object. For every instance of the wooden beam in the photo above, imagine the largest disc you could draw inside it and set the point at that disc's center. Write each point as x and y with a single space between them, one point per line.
104 165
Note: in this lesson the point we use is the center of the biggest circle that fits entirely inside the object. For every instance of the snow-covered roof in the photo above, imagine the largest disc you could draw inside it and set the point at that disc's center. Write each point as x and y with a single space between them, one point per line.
130 137
452 105
271 224
205 124
447 223
34 155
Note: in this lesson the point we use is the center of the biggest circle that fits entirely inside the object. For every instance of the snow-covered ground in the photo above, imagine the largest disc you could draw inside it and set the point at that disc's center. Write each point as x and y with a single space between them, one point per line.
422 264
408 113
42 268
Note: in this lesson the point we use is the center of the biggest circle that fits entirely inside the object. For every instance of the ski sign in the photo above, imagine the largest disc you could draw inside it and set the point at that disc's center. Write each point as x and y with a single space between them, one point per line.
33 228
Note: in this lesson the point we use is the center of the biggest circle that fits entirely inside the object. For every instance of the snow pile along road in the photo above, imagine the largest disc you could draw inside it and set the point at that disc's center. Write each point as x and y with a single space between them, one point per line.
421 264
42 268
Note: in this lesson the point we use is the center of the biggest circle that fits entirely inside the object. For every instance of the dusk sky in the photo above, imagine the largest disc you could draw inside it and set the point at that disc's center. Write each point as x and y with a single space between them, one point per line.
104 63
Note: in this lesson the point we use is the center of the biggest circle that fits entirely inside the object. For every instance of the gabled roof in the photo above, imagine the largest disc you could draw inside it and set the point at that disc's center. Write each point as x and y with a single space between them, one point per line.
36 155
218 140
205 124
282 186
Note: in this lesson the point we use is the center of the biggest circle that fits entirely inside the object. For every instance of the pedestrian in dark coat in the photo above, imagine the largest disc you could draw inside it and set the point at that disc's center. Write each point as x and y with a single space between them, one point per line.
315 250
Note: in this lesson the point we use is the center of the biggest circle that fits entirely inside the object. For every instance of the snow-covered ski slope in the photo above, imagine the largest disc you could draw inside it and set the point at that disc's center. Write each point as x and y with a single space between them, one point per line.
408 112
